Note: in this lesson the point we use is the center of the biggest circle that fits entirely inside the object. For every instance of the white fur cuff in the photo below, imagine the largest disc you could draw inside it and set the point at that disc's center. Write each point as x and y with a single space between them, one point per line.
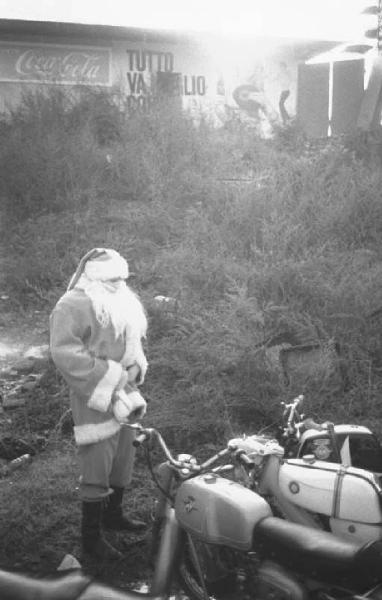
90 434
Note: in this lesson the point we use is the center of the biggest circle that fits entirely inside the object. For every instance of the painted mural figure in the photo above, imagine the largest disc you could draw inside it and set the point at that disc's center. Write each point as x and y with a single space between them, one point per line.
283 111
96 331
255 108
253 97
250 99
284 78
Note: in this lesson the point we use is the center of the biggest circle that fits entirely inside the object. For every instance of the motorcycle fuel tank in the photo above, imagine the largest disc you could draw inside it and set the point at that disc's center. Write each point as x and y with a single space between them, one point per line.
219 511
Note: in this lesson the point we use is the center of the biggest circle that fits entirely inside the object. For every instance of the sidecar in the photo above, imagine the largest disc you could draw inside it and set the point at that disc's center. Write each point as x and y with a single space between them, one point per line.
349 497
357 445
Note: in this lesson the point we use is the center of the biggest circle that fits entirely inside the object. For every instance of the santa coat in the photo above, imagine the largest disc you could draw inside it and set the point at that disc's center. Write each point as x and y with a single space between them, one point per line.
91 359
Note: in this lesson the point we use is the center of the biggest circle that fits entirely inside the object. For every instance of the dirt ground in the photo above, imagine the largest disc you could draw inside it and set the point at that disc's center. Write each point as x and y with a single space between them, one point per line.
20 330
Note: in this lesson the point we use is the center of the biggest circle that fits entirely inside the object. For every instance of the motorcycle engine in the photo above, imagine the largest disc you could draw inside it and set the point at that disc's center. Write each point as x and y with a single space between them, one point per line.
233 575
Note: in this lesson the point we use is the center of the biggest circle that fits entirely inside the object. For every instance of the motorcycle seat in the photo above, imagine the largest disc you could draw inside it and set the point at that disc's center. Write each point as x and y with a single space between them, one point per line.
317 551
16 586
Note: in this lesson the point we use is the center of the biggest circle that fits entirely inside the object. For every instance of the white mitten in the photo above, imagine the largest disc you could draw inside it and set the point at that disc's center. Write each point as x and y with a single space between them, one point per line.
128 405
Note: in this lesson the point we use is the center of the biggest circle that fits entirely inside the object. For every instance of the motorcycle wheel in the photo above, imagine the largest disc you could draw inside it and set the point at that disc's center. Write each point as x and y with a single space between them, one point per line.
203 574
191 575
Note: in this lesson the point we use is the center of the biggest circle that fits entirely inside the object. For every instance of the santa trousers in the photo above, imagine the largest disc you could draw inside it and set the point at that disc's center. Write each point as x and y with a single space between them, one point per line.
105 464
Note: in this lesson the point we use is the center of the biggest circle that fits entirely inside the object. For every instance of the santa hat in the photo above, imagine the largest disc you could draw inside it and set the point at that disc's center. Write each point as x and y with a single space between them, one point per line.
100 264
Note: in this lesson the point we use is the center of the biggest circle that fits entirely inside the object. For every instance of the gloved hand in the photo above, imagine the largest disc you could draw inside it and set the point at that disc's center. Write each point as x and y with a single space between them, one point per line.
128 406
123 381
142 364
133 374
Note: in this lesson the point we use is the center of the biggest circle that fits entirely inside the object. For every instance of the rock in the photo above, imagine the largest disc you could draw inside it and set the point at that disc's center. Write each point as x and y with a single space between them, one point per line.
68 563
15 464
166 302
12 447
19 462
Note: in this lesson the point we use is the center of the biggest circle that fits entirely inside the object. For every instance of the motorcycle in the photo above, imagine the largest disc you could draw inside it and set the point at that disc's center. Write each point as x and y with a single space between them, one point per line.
324 476
221 541
229 546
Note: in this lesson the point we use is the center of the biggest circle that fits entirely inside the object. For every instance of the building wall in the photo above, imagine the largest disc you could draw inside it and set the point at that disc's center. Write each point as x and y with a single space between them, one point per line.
219 78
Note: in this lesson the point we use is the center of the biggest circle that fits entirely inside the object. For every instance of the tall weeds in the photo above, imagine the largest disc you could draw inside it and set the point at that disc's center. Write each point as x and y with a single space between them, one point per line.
263 243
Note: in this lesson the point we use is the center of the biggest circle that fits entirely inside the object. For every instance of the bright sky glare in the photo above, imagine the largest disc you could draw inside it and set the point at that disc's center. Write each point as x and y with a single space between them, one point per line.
310 19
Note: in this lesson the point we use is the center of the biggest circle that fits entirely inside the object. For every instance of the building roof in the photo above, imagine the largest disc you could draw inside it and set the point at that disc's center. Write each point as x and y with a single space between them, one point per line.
15 27
11 29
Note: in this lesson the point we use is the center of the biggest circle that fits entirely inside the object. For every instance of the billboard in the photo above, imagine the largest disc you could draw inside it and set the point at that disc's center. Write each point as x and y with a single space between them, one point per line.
55 63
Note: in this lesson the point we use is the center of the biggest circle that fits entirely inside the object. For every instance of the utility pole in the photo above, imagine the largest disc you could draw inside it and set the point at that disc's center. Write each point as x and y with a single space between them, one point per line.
375 32
369 118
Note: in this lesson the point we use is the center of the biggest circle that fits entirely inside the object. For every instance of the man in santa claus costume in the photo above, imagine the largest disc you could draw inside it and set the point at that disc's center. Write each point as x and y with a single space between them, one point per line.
96 332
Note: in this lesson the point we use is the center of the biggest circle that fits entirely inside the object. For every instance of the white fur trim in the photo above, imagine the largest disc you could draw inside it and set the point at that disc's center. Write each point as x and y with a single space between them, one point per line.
101 397
109 266
92 433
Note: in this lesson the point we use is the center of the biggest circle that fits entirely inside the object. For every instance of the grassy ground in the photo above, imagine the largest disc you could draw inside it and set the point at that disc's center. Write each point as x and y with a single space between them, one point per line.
40 520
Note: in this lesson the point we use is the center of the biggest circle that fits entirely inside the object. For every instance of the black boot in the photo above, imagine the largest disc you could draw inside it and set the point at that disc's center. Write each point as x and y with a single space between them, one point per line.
93 544
113 517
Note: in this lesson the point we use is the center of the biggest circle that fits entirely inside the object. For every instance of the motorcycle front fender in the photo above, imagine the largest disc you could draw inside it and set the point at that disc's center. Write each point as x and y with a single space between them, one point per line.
167 554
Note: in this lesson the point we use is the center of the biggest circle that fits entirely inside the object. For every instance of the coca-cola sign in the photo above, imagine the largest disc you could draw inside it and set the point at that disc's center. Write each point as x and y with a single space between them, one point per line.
45 63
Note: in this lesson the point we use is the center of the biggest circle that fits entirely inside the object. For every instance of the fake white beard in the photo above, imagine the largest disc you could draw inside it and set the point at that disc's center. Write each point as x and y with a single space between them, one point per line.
116 303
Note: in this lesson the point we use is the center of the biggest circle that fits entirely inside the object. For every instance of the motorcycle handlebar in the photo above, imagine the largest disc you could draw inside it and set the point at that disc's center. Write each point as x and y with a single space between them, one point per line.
244 458
145 434
148 433
290 413
141 437
294 427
